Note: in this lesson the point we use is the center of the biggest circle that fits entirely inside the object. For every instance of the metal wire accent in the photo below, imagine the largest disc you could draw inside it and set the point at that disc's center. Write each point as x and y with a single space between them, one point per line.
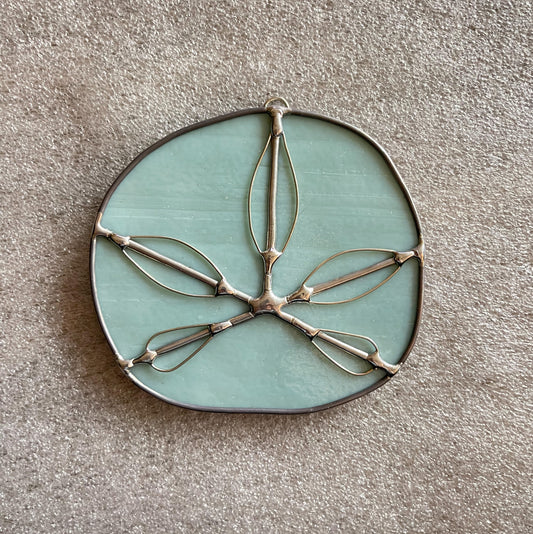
267 301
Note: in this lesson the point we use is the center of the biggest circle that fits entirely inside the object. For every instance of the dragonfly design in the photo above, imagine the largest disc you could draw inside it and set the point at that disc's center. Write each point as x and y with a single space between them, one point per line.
217 285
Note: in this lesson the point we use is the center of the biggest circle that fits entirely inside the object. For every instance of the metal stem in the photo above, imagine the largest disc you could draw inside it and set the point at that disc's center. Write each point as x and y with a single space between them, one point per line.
324 286
271 231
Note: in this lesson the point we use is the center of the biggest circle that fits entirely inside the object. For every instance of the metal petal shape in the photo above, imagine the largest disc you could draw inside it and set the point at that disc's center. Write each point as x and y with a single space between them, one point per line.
348 275
286 193
175 347
339 356
174 265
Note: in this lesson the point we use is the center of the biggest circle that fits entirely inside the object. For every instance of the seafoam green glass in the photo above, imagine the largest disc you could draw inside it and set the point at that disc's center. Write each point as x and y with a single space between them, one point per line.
193 186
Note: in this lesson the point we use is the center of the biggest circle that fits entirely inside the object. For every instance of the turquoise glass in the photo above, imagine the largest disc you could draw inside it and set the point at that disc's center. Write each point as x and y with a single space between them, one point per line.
194 187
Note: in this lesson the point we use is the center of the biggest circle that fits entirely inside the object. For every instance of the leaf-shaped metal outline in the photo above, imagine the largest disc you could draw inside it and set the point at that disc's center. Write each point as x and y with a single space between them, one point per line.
357 297
236 114
335 362
208 337
194 249
296 192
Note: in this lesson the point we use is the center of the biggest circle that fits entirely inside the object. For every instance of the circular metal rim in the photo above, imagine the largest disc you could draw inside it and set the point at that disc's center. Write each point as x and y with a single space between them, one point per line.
229 116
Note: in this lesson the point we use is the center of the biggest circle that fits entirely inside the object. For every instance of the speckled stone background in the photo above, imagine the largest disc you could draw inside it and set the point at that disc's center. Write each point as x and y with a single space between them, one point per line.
445 86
